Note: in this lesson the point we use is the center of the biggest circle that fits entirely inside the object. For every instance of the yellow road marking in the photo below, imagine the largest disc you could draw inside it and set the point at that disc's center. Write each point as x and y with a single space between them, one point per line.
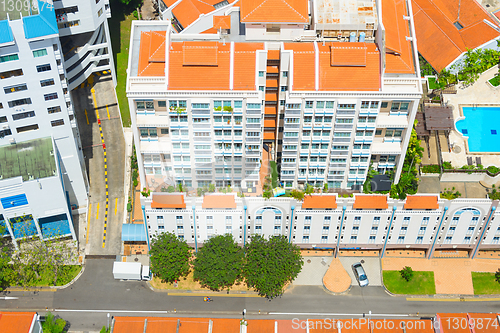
88 222
97 215
107 110
116 204
86 116
95 102
212 295
418 299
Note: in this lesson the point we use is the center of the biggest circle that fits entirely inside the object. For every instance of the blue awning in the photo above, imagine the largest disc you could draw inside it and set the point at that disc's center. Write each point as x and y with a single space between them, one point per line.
133 233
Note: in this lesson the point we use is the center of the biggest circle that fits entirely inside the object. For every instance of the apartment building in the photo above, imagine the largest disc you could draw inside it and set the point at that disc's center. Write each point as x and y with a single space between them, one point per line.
326 221
41 165
324 93
85 39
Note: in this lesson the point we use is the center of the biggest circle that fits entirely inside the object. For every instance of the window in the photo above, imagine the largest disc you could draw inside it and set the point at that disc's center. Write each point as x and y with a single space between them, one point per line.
400 106
9 57
357 218
354 238
309 104
19 87
48 82
384 105
57 122
162 104
365 105
62 25
6 75
23 115
50 96
19 102
43 68
419 239
27 128
54 109
39 53
285 74
261 73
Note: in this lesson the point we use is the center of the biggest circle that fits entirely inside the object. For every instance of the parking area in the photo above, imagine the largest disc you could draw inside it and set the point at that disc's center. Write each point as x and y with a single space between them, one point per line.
371 266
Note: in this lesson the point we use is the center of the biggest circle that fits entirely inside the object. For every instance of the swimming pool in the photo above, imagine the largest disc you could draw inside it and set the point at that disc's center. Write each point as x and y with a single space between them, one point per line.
481 125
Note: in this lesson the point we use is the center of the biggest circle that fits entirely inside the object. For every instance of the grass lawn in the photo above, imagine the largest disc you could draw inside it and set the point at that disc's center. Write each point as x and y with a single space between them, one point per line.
421 284
433 84
274 174
485 284
495 81
187 283
119 27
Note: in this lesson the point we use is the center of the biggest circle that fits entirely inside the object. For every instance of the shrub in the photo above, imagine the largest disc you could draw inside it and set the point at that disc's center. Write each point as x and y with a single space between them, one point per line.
497 276
494 195
170 189
493 169
406 273
450 194
434 168
447 165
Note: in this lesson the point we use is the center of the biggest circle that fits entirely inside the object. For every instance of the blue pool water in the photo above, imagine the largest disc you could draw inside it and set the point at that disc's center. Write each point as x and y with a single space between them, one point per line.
481 125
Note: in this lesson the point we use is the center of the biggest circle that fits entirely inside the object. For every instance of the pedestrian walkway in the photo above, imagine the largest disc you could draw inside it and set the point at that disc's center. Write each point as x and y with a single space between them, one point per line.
451 276
313 271
336 278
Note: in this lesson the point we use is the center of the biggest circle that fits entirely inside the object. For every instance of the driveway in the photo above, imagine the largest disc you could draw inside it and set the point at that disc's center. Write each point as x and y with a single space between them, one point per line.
313 271
371 266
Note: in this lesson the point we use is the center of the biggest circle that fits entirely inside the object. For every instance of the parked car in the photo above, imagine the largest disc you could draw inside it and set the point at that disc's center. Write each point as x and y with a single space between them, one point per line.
360 274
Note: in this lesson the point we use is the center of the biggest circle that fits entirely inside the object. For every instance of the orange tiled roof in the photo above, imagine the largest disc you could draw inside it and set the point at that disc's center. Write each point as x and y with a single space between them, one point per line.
169 3
303 65
269 122
269 135
319 202
453 317
218 201
164 200
497 14
188 11
287 326
440 41
476 318
16 321
222 22
270 110
358 66
209 31
152 54
187 325
182 77
421 202
274 11
196 54
370 202
260 326
129 324
244 65
399 52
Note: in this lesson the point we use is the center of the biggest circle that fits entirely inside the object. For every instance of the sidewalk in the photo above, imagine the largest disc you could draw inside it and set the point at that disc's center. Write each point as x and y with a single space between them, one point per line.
452 276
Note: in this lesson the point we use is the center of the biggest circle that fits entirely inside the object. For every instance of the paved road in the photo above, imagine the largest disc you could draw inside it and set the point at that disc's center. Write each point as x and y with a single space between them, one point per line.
94 159
86 303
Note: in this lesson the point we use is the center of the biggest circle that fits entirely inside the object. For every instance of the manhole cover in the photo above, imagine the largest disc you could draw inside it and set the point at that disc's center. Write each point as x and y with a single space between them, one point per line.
308 261
136 259
457 149
362 261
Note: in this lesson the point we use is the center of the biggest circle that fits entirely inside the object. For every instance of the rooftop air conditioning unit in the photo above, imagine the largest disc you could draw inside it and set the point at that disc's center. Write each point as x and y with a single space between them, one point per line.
12 140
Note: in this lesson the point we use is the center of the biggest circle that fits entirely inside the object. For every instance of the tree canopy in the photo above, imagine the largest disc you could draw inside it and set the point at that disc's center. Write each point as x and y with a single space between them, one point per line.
219 262
169 257
270 264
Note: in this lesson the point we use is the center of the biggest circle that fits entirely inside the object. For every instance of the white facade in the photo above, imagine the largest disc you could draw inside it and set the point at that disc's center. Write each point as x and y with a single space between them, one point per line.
393 228
85 23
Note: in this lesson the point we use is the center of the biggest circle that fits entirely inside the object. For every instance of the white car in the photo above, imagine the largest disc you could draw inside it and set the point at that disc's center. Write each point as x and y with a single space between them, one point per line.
360 274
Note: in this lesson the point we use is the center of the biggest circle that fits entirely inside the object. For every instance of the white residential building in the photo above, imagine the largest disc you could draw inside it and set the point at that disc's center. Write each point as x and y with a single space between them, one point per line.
42 171
85 39
204 106
324 221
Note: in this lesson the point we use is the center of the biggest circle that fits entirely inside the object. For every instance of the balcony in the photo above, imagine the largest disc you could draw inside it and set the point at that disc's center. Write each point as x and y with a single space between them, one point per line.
386 120
380 147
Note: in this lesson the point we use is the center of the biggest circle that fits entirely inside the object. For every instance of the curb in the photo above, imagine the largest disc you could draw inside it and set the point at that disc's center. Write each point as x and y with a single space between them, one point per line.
71 282
201 292
55 288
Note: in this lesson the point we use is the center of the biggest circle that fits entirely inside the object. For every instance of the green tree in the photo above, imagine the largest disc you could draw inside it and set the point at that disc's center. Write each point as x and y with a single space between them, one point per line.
270 264
267 194
5 267
297 195
309 189
218 263
406 273
169 257
211 188
53 324
497 276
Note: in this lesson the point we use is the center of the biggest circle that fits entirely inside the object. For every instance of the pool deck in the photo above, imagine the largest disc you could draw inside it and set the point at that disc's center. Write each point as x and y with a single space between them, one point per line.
482 94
